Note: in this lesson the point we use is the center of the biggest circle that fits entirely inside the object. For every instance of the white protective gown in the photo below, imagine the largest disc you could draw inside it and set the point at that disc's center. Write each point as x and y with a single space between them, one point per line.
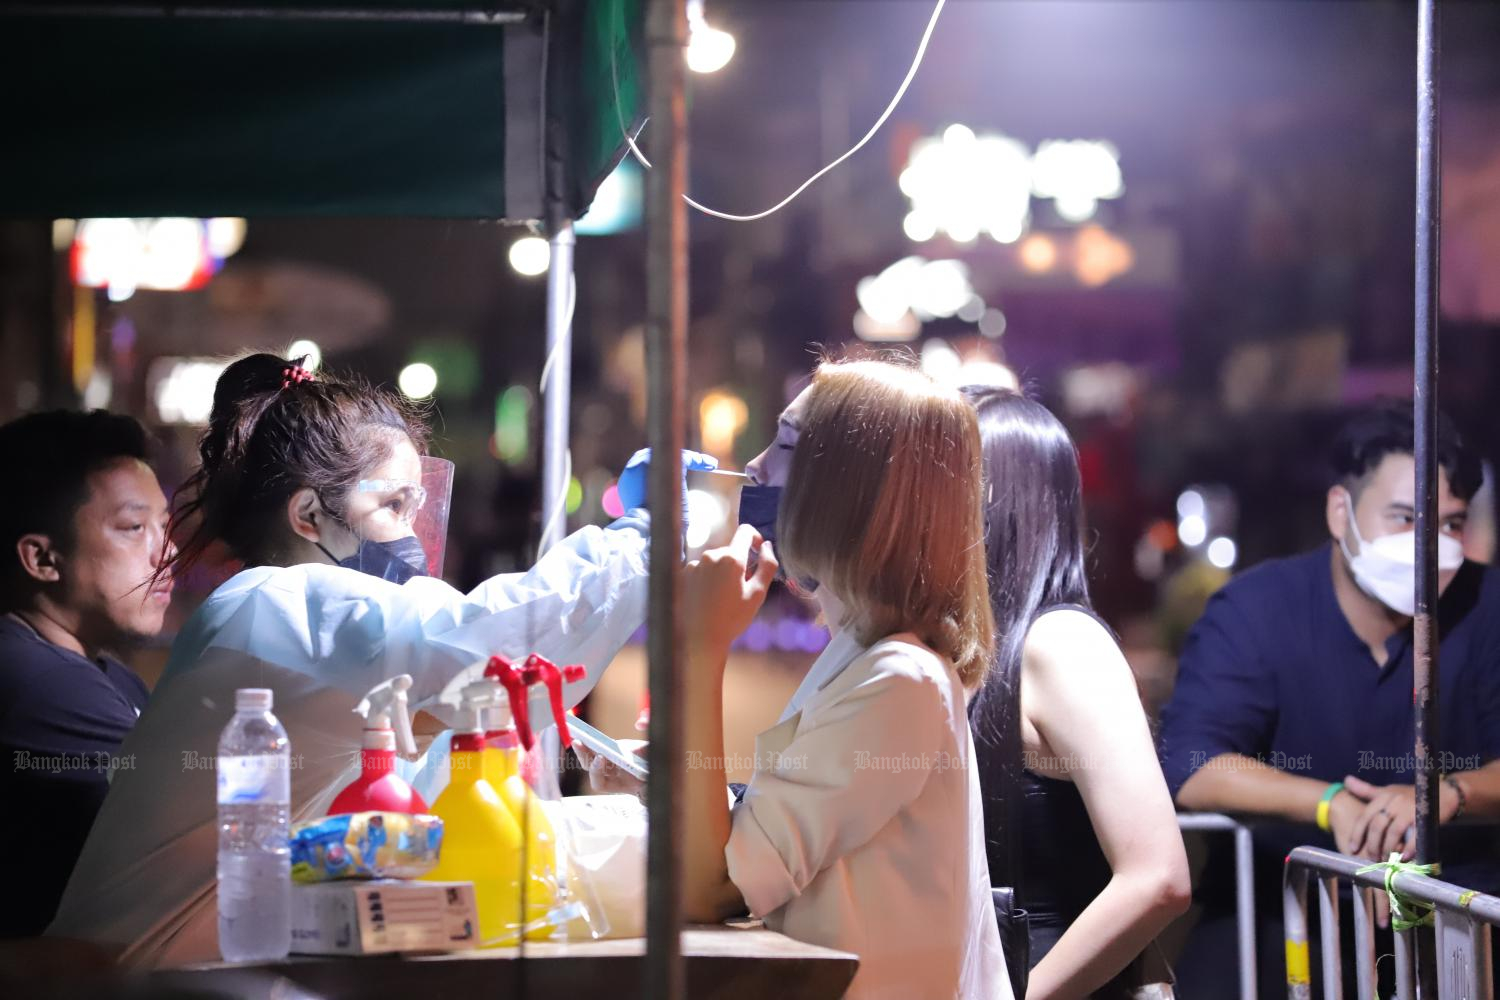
319 637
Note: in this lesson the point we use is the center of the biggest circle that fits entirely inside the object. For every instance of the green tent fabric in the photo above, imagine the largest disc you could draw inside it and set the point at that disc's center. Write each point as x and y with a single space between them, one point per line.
508 114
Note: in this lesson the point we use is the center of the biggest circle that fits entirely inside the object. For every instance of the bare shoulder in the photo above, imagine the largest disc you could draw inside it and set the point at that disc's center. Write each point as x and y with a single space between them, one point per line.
1068 646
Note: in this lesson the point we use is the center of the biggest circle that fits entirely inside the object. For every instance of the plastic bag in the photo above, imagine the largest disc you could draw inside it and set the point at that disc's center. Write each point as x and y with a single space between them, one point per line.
581 913
606 852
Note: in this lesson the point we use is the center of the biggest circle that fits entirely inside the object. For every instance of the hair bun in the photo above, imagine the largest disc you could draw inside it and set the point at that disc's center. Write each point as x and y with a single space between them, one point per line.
250 376
255 376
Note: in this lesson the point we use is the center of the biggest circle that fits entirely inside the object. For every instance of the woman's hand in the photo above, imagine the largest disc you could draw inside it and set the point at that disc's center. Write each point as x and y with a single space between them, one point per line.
607 777
722 595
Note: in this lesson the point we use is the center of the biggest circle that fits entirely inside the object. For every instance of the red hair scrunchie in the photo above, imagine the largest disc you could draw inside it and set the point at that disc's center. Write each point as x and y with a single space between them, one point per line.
295 375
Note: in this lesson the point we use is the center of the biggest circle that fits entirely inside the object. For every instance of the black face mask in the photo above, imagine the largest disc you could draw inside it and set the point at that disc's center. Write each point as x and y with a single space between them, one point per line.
759 506
396 561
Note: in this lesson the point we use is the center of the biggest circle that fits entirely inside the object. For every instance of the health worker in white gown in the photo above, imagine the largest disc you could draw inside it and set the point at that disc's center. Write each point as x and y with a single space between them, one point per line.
319 485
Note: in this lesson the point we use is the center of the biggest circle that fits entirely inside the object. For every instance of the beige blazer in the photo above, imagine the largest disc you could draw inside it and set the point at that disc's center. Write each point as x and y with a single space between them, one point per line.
861 828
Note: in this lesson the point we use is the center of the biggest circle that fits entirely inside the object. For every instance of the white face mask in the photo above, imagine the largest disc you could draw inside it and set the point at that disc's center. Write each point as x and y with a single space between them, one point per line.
1386 567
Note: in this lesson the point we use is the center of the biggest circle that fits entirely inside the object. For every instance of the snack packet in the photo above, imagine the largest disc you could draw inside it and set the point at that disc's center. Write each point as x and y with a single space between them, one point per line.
365 845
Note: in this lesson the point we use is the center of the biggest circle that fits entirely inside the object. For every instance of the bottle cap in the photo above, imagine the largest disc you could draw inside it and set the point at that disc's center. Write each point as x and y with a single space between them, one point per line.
252 700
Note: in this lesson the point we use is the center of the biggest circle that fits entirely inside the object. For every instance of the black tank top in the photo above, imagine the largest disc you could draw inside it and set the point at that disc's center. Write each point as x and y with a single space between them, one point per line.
1063 868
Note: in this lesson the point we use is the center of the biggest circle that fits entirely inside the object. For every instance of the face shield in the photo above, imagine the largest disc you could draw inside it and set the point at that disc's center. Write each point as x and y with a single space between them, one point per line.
401 522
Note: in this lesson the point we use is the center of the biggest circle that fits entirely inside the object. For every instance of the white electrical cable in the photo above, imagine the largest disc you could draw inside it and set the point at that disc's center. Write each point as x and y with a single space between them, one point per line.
890 108
566 340
553 531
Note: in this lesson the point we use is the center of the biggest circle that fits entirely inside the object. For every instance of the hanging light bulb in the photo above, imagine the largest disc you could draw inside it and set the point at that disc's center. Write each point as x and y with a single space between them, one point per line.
709 49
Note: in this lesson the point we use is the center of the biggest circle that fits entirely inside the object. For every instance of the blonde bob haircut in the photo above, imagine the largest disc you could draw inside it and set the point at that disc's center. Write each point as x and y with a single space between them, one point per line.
883 506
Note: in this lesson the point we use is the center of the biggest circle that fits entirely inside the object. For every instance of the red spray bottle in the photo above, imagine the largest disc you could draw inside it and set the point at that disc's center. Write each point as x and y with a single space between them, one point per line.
387 726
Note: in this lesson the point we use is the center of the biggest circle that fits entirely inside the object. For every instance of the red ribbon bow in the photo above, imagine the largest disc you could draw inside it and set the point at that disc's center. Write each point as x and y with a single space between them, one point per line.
295 375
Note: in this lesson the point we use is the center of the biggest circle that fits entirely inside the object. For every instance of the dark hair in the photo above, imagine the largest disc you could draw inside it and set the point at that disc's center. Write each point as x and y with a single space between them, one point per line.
1033 540
267 439
1033 530
55 452
1387 428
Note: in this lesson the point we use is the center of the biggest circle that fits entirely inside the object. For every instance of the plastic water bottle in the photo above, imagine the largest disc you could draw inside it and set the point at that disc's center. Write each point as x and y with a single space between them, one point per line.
254 857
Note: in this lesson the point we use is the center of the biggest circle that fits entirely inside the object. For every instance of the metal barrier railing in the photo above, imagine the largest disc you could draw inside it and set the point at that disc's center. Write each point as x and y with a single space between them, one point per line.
1458 942
1244 886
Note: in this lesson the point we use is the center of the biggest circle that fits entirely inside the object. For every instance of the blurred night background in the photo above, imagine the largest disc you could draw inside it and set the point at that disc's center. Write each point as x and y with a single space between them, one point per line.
1186 227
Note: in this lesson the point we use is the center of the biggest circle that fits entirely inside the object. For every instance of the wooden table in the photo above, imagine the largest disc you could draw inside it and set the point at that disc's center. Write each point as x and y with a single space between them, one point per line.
724 962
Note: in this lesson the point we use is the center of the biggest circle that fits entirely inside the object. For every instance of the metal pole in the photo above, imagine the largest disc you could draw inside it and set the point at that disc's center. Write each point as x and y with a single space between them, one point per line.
1463 952
1331 945
1244 887
1424 404
1364 943
1406 976
666 340
1244 906
1294 924
1425 635
557 386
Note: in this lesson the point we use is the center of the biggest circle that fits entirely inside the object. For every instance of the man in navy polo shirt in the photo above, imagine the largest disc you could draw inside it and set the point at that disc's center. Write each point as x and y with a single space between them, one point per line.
83 526
1294 693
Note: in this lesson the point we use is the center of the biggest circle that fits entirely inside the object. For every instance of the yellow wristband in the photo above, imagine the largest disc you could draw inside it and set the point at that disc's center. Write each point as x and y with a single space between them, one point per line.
1325 804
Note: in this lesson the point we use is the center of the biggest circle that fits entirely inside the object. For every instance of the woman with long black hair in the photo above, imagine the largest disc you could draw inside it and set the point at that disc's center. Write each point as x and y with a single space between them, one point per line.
318 485
1094 851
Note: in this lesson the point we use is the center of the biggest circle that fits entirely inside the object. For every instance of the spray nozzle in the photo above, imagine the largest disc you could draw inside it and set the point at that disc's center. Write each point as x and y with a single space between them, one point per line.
553 677
475 699
517 682
503 672
384 708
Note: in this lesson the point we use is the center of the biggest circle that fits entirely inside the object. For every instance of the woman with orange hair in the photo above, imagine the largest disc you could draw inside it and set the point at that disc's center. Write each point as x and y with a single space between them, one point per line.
862 826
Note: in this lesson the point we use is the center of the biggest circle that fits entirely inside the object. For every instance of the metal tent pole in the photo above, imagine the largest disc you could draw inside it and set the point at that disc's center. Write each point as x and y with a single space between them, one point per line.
1425 678
1425 630
666 339
557 385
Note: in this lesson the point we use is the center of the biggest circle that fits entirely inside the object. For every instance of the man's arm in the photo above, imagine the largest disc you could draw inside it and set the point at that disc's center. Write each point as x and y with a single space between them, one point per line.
1221 715
1481 791
1235 783
1232 782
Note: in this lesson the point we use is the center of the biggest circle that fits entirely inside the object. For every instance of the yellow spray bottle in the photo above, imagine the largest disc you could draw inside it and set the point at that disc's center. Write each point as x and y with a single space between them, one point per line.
482 841
509 767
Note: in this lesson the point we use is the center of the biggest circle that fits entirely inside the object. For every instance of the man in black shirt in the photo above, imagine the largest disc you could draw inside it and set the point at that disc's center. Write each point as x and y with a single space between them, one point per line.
83 527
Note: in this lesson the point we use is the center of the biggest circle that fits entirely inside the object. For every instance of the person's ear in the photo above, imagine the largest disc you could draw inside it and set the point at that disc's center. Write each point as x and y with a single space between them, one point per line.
38 558
305 514
1339 512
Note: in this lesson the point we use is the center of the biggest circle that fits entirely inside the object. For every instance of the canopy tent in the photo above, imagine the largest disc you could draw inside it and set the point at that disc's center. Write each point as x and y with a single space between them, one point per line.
436 108
382 107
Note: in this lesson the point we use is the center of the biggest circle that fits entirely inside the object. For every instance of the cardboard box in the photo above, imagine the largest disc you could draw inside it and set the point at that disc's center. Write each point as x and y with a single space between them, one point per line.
383 915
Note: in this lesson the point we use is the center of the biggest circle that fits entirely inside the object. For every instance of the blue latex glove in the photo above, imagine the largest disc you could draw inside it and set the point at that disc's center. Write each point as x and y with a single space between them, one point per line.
632 484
